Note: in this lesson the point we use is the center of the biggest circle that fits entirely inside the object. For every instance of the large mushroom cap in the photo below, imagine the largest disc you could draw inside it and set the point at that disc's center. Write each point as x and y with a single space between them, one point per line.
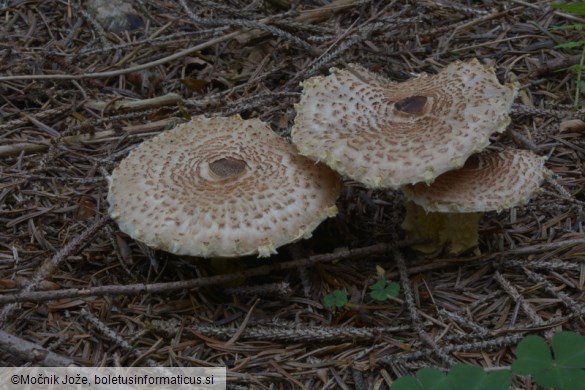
220 187
487 182
387 134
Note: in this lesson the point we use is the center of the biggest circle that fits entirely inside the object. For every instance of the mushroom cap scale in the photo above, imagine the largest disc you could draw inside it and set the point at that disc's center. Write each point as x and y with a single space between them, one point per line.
388 134
220 187
488 182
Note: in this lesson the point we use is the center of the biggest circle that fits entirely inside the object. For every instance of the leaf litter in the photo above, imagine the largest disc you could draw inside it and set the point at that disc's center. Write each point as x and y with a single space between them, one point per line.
75 98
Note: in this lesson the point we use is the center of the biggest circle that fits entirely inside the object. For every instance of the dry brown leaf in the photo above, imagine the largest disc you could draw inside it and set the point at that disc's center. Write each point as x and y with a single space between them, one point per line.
576 125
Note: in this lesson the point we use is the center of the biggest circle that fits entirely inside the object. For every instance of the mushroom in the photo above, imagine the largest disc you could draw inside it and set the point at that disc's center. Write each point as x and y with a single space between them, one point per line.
388 134
446 213
220 187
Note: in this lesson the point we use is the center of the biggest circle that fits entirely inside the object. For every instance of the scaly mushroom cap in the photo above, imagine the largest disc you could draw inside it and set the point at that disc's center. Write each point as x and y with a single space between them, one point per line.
487 182
220 187
387 134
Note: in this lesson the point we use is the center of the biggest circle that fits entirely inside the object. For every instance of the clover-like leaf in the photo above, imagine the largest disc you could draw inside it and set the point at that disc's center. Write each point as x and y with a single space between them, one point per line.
381 290
569 349
426 379
337 298
532 355
460 377
565 372
466 377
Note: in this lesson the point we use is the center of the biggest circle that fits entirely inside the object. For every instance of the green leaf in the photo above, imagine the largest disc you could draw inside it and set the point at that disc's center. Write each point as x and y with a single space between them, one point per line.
460 377
581 85
569 349
337 298
381 290
570 45
565 372
466 377
577 26
426 379
433 379
560 378
532 355
407 383
574 8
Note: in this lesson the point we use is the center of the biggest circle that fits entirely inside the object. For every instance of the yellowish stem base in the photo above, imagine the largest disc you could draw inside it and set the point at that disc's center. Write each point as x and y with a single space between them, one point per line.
450 233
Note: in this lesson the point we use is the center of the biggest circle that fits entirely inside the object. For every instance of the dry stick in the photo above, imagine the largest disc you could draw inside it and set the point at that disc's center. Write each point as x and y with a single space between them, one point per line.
322 12
118 72
570 303
293 332
88 125
362 34
415 320
545 9
170 99
115 337
464 322
140 288
247 24
482 345
420 312
242 326
41 115
50 266
550 265
31 352
14 149
275 290
255 101
520 109
540 248
482 18
517 297
569 199
525 250
308 16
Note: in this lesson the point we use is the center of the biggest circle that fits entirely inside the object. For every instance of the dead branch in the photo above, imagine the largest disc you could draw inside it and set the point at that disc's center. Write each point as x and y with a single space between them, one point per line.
316 15
140 288
100 136
31 352
47 269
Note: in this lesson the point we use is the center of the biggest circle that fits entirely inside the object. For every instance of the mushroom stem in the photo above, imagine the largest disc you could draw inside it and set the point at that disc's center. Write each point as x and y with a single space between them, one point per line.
452 233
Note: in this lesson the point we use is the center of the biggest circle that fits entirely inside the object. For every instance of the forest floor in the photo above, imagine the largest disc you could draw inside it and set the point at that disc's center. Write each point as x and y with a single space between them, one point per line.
76 96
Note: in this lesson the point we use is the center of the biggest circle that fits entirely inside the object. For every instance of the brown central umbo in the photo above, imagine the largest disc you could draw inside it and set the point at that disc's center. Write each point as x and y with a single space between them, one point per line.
227 167
411 104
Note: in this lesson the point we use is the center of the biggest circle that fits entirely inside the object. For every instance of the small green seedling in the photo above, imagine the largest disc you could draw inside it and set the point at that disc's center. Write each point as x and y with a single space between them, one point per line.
337 298
579 69
381 290
566 371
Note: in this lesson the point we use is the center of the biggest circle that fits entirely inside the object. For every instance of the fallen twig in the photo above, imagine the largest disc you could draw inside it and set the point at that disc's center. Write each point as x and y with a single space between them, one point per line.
31 352
100 136
139 288
50 266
